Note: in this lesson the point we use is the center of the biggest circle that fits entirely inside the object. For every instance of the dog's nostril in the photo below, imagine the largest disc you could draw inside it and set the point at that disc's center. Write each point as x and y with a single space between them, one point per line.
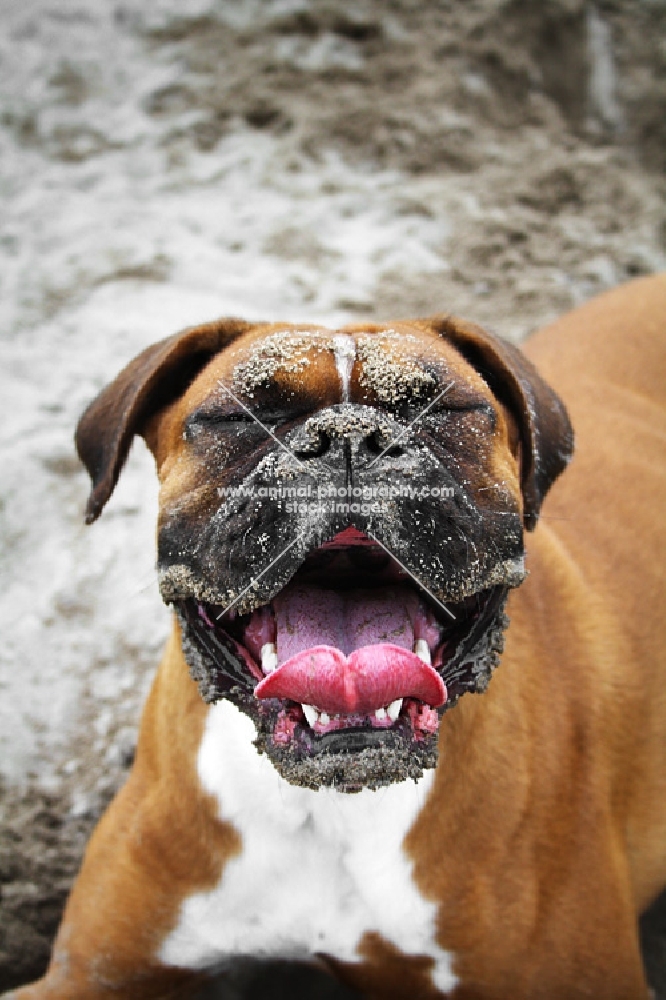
377 444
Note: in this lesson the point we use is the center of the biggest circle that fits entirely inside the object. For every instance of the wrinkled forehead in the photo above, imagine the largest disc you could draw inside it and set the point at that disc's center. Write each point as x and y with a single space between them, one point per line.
376 364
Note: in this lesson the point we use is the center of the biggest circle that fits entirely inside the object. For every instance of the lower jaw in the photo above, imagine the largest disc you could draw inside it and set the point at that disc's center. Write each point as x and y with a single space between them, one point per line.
359 759
353 758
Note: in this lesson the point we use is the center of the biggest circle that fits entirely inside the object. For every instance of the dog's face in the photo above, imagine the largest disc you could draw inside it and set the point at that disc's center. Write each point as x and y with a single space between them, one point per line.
341 519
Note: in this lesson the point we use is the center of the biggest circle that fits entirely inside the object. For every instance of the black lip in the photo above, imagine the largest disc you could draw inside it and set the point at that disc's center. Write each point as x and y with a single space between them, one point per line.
354 740
229 671
348 761
455 671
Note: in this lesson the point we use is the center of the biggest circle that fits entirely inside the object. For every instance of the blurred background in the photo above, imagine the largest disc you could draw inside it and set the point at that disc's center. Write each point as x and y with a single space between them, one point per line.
167 163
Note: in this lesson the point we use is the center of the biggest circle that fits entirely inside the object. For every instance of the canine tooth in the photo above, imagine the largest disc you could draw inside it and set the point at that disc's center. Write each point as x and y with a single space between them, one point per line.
380 713
311 714
269 660
393 711
324 718
422 650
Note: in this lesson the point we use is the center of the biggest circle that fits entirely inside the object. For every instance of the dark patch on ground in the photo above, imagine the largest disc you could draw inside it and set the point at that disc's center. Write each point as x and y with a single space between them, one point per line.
653 945
41 845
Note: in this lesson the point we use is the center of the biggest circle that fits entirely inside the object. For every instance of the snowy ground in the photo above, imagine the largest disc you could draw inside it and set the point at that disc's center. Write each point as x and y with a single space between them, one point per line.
166 163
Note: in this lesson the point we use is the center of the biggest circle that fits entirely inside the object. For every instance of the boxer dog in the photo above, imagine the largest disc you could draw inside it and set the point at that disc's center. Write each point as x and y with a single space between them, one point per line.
329 766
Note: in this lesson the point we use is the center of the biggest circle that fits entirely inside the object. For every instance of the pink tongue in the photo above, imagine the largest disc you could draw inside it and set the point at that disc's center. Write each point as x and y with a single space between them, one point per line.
370 678
311 616
351 651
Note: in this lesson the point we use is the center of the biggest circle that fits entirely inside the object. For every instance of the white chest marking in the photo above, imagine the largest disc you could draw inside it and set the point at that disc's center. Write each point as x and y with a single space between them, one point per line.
316 870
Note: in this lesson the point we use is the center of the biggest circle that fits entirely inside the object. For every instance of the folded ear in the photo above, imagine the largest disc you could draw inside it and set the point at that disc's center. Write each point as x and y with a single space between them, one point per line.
546 433
154 378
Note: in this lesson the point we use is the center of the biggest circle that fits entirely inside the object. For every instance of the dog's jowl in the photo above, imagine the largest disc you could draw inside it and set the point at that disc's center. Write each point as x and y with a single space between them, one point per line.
408 726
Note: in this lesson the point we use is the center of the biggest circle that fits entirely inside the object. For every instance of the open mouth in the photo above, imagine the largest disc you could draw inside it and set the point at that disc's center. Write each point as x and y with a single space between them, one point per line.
347 670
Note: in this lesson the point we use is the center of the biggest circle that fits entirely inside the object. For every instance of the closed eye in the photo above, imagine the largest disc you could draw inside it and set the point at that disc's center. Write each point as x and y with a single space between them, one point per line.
452 412
464 408
447 408
224 418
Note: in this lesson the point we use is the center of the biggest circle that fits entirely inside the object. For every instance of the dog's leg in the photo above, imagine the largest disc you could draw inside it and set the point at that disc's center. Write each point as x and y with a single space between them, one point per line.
158 841
118 910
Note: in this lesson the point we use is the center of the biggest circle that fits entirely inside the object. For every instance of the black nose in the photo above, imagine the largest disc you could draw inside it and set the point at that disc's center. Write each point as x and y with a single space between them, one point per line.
373 443
354 429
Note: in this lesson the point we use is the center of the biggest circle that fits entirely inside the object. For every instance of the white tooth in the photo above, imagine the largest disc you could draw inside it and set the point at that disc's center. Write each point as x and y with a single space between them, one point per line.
324 718
380 713
269 660
422 650
393 711
311 714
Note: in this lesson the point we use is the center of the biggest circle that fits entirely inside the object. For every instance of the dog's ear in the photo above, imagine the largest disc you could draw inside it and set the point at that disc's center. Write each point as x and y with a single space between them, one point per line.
154 378
546 435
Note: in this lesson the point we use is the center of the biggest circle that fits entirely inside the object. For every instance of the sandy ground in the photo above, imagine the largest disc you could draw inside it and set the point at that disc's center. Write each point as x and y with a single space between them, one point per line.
166 163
